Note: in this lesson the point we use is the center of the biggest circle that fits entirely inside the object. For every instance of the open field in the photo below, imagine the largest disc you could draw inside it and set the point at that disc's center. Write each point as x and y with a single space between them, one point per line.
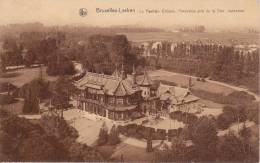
22 76
183 80
223 37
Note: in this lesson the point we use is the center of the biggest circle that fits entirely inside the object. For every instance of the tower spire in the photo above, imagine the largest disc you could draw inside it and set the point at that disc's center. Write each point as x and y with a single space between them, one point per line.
123 76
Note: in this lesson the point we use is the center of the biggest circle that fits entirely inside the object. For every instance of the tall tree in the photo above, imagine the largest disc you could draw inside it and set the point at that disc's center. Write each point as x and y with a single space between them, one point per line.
204 137
61 94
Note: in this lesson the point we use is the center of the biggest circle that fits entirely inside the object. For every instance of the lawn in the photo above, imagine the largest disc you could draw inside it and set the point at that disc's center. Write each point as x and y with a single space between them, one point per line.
165 123
88 128
183 80
22 76
224 37
131 153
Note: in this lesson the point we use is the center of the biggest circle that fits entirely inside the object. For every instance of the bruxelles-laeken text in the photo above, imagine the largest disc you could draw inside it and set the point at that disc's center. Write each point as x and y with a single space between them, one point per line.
115 10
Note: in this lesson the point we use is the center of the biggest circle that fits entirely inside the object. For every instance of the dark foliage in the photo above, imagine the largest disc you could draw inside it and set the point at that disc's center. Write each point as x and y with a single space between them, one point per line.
113 137
103 135
50 140
6 99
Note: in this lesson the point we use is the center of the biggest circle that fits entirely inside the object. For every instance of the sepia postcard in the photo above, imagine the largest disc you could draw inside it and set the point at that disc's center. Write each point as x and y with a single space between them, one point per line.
129 80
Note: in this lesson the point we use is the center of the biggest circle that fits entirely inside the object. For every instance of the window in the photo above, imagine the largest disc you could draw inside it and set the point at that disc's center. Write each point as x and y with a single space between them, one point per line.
120 101
111 100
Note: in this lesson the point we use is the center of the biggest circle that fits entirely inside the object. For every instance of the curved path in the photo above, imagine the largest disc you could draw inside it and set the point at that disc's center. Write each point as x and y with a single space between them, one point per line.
168 73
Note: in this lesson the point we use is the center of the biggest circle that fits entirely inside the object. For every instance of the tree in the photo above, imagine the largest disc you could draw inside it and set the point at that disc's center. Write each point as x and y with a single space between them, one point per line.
31 102
25 141
113 136
41 148
60 97
149 145
103 135
2 63
22 140
59 64
204 138
230 148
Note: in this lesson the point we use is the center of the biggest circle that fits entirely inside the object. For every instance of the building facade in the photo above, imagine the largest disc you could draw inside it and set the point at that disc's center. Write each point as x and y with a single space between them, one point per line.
121 97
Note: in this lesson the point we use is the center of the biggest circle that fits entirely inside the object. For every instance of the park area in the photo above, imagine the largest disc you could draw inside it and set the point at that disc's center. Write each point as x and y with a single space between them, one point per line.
19 77
183 81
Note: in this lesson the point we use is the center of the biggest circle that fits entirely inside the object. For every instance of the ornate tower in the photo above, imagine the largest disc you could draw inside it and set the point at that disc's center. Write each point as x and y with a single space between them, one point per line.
145 85
122 73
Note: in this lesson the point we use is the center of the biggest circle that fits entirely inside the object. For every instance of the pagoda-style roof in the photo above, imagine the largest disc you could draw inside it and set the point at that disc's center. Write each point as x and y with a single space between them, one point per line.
108 84
146 81
176 95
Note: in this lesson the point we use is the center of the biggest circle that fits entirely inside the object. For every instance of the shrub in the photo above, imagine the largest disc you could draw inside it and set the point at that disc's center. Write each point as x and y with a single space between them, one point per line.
113 137
5 87
253 115
6 99
241 95
160 134
192 118
223 121
103 135
203 80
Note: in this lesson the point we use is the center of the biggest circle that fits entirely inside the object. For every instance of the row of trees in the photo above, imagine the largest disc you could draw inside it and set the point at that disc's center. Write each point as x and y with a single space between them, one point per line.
222 63
58 92
36 47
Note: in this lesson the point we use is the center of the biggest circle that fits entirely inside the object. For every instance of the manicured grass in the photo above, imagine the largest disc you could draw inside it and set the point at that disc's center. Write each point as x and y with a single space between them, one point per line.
183 80
22 76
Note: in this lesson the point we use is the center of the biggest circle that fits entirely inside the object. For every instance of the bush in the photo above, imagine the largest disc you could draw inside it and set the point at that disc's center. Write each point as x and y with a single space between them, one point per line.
103 135
113 137
159 135
203 80
192 118
253 115
223 121
6 99
5 87
242 96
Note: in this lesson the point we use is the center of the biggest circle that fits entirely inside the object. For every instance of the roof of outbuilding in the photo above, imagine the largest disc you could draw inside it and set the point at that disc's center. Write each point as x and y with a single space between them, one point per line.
176 95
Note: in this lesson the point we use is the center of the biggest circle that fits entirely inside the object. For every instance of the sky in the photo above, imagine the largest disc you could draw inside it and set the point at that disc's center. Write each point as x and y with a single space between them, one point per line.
66 12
